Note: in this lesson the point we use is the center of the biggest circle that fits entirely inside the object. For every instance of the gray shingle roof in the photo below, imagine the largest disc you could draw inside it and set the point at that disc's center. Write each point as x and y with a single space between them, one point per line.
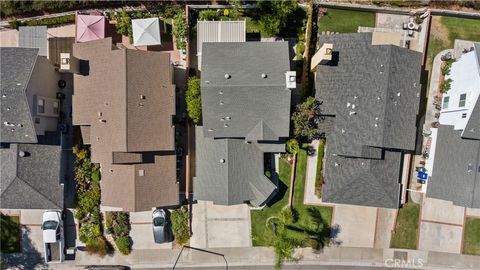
370 94
230 171
472 129
457 181
245 104
31 181
33 37
17 124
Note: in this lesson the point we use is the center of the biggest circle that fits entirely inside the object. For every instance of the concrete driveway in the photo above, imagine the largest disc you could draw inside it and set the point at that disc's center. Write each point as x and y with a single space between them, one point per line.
357 225
141 232
220 226
441 226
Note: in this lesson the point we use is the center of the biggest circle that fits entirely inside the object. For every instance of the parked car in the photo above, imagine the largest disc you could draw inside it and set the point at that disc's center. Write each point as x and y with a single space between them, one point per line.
53 238
159 221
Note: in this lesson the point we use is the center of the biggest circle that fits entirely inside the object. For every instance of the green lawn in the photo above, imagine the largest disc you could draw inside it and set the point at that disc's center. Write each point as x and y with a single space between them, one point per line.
313 220
10 234
319 178
471 238
405 235
259 230
345 21
453 28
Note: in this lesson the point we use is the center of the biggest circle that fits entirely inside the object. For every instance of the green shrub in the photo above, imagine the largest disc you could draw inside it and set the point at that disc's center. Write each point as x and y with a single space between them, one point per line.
108 222
89 232
193 99
268 174
446 85
51 21
15 24
169 11
95 176
121 224
209 15
274 15
124 244
97 246
180 29
446 66
89 202
300 50
292 146
180 228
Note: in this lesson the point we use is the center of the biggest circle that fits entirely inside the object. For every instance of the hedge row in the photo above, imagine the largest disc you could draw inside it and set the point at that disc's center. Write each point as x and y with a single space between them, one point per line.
49 22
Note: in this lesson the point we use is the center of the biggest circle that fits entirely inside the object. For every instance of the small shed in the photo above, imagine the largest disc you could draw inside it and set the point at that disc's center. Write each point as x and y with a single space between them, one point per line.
146 32
33 37
89 27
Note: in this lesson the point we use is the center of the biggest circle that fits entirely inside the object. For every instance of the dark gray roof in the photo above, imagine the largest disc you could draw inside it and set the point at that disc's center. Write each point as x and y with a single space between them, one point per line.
230 171
472 129
456 175
370 95
33 37
358 181
17 124
373 91
32 181
245 105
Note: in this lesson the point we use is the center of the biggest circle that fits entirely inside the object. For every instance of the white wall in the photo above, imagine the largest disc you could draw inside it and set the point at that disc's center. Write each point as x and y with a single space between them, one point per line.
465 75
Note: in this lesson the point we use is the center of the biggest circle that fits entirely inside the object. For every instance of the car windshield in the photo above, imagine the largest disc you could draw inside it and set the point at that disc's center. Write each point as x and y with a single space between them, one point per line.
158 221
50 225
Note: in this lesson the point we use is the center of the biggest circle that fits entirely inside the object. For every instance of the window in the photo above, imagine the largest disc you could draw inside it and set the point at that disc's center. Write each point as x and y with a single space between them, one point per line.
463 98
464 115
40 105
55 107
445 102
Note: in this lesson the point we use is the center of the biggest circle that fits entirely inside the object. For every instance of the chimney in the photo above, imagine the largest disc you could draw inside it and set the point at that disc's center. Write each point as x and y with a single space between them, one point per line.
322 56
69 63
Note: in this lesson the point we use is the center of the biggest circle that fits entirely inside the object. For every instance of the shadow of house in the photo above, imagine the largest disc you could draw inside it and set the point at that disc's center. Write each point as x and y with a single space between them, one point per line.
29 258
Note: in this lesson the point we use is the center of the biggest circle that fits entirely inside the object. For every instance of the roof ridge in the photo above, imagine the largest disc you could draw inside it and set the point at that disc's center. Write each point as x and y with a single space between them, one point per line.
387 92
24 93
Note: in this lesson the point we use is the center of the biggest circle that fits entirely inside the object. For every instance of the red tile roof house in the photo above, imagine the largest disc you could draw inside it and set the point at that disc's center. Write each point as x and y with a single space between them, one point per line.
125 106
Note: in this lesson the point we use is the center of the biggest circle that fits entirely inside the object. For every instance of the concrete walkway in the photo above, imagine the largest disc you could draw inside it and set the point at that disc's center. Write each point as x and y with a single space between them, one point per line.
311 174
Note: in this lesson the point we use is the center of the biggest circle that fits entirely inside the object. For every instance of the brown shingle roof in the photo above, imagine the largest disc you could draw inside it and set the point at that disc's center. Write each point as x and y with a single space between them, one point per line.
128 99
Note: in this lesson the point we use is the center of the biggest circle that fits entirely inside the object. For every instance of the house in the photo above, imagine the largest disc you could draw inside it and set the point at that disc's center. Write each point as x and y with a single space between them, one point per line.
370 100
219 31
124 106
30 149
246 92
455 175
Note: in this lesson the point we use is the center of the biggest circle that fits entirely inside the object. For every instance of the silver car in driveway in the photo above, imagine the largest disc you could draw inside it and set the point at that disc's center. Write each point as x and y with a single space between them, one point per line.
159 221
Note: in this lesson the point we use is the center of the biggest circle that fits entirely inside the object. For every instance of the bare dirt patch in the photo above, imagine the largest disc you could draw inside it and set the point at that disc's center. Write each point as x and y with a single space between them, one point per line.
438 30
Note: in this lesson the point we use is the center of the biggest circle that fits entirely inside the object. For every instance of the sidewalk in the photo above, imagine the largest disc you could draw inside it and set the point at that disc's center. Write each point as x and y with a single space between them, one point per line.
373 257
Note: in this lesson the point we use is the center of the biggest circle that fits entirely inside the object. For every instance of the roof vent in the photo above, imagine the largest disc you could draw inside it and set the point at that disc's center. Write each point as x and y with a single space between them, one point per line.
264 75
8 124
220 92
222 119
142 97
19 125
19 84
378 98
469 167
210 129
352 112
228 118
12 130
353 106
221 102
222 160
4 96
354 97
102 120
343 130
336 164
207 82
8 108
376 125
398 94
376 118
225 125
348 104
21 153
227 76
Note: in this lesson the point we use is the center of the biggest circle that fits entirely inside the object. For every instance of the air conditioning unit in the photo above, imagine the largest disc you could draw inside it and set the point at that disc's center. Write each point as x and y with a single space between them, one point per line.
291 79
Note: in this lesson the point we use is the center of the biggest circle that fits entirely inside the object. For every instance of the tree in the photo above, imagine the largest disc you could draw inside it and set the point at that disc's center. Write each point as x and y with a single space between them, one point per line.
194 99
293 146
306 119
235 11
209 15
274 15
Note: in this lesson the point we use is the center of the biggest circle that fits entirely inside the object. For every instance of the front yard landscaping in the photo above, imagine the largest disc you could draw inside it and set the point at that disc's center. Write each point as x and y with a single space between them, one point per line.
345 21
471 237
10 233
406 228
303 226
